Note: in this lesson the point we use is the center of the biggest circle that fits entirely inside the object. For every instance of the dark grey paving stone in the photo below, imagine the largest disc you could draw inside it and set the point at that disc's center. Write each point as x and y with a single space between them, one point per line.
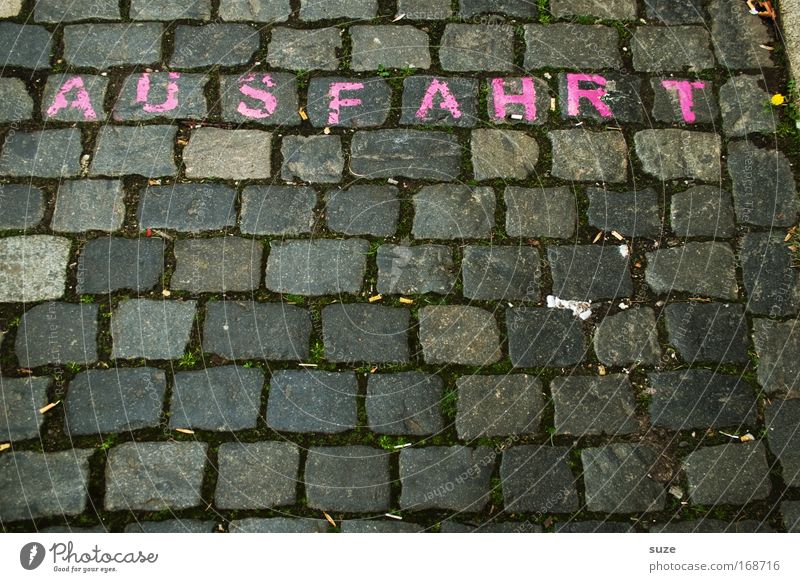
281 525
628 337
150 329
188 207
620 97
491 406
712 526
571 46
221 264
312 10
51 153
790 510
495 272
188 90
415 270
102 46
187 526
317 267
109 264
675 11
509 527
518 8
57 12
366 333
588 156
537 479
607 9
16 103
20 401
226 398
541 212
477 47
308 50
544 338
584 527
618 479
348 102
228 154
782 419
527 98
257 475
414 154
363 210
450 101
710 332
57 333
684 102
742 101
672 154
728 474
634 214
674 48
143 150
84 205
451 478
21 206
362 526
702 211
155 476
697 399
263 11
214 44
390 47
590 272
26 46
450 527
41 485
312 401
277 210
459 335
498 153
353 479
44 261
263 98
404 403
764 192
770 277
592 405
425 9
75 98
675 270
68 529
776 344
316 158
118 400
453 211
169 10
251 330
737 36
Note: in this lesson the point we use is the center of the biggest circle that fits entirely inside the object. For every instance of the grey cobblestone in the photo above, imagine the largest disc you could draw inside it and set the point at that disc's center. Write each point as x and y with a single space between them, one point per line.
21 206
101 46
51 153
143 150
15 101
498 153
495 272
710 332
585 156
573 46
169 10
667 101
221 264
43 259
415 270
619 97
109 264
675 270
628 337
492 406
776 344
671 154
538 479
702 211
311 10
74 98
404 403
56 12
452 101
473 47
541 212
214 44
791 516
366 333
57 333
518 8
378 526
770 278
391 47
451 211
188 207
589 273
155 330
676 11
425 9
147 96
353 479
635 214
257 475
363 210
281 525
737 36
240 154
589 405
348 102
305 49
317 158
20 401
26 46
312 401
735 474
192 526
674 48
414 154
781 420
277 210
742 102
263 99
544 338
607 9
459 335
618 479
84 205
518 101
262 11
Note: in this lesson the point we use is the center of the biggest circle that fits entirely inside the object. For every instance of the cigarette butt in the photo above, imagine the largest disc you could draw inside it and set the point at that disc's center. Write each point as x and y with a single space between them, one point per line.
48 407
397 517
302 113
4 446
598 237
184 430
406 301
329 518
375 298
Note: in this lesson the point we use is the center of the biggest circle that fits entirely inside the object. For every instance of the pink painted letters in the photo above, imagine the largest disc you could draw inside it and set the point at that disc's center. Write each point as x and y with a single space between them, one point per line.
595 96
527 98
268 102
336 103
143 94
685 96
81 100
447 100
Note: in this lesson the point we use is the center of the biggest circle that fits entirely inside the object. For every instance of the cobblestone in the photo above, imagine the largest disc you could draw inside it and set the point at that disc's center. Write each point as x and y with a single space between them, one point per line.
628 337
166 10
280 525
378 526
109 264
188 207
496 272
734 473
111 401
675 270
471 47
57 333
671 154
404 403
15 101
541 212
459 335
221 264
538 479
504 154
634 214
305 49
607 267
391 47
21 206
352 479
710 332
263 11
191 526
366 333
51 153
317 267
770 279
676 11
150 329
311 10
544 338
450 211
277 210
585 156
606 98
266 99
143 150
618 479
43 259
737 37
84 205
414 154
574 46
312 401
26 46
363 210
520 9
415 270
742 102
496 406
257 475
214 44
20 401
316 158
674 48
702 211
607 9
155 96
75 98
102 46
670 104
781 419
241 154
155 476
439 101
588 405
776 343
346 102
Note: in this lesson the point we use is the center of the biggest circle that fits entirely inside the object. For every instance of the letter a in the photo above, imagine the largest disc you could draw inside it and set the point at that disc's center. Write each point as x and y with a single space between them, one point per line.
448 100
80 102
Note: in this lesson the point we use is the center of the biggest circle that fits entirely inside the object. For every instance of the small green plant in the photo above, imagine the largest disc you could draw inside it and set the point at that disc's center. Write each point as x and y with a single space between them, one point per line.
108 442
73 367
545 17
188 360
248 365
87 299
384 72
390 443
317 352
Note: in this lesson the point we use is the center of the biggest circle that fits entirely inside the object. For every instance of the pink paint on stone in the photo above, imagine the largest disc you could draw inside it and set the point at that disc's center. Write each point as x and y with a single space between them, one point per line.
685 90
81 100
447 100
595 96
143 94
336 103
527 98
268 101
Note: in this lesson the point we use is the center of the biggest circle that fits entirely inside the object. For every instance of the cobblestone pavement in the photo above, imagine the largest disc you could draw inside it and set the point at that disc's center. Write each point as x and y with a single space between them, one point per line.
408 265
